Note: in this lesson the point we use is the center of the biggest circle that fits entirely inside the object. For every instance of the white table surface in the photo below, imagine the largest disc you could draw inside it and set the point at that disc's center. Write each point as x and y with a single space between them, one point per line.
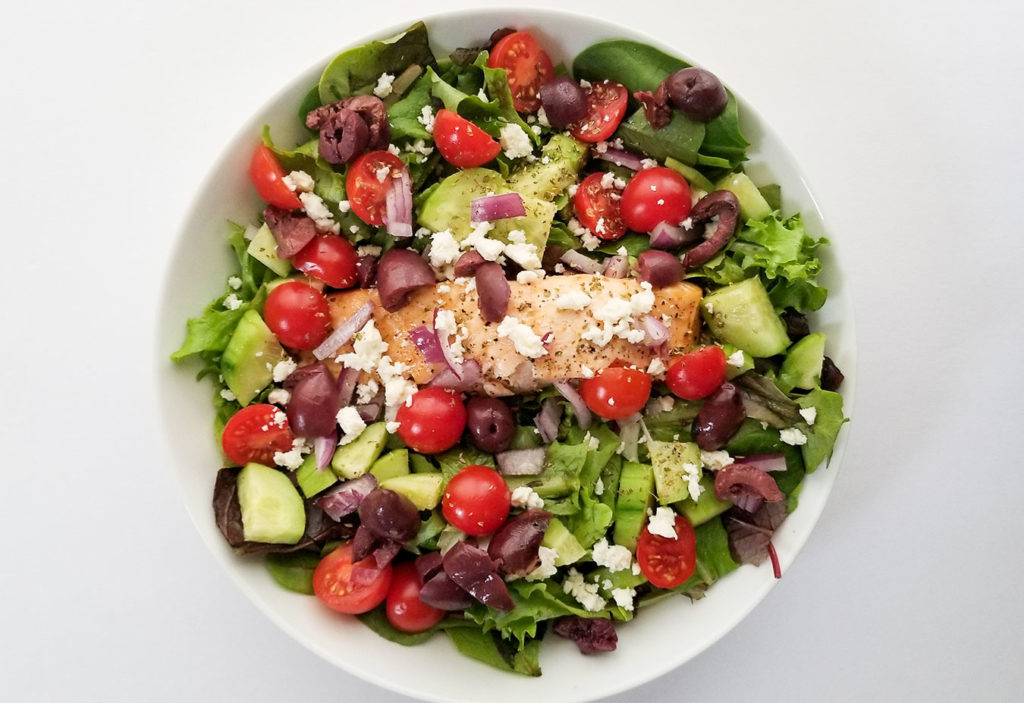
907 120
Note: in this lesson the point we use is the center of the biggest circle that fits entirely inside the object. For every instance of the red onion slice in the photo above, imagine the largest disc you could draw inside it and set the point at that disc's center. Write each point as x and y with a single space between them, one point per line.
346 331
657 332
582 262
522 462
467 381
446 349
425 340
323 449
620 157
345 498
548 418
347 385
398 206
496 207
616 266
776 567
570 393
666 236
765 462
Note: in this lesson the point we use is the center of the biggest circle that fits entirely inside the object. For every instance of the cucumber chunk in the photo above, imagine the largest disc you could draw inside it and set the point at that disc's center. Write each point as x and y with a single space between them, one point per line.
424 490
706 506
355 459
668 460
549 179
312 480
394 463
564 543
249 358
272 509
753 206
263 248
802 365
636 493
741 314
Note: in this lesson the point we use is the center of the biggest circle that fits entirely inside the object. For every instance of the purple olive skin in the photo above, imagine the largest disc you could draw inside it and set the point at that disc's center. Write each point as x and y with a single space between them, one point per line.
400 272
389 515
490 423
719 418
697 93
514 547
659 268
564 101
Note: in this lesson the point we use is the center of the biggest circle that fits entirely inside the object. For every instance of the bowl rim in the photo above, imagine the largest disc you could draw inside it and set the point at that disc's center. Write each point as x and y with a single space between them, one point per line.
749 115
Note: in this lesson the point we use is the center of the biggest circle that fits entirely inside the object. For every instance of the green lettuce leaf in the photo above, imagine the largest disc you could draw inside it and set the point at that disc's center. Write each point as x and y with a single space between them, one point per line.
535 601
821 436
751 438
559 483
594 517
724 144
714 560
491 649
455 460
404 114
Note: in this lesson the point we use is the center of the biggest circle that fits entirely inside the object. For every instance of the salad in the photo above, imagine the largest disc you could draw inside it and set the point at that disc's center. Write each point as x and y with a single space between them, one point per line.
513 348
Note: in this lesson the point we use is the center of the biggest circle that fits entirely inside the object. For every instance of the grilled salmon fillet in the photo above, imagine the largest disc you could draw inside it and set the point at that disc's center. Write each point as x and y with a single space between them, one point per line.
574 327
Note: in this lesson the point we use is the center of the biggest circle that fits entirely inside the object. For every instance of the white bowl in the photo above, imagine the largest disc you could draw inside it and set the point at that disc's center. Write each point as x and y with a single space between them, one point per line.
647 648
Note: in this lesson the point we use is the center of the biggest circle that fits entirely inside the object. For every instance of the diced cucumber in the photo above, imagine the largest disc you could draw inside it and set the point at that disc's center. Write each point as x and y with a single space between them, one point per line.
394 463
694 177
669 459
753 206
263 248
742 314
731 371
248 360
312 480
420 464
424 490
355 459
706 506
636 493
802 366
272 509
566 545
547 178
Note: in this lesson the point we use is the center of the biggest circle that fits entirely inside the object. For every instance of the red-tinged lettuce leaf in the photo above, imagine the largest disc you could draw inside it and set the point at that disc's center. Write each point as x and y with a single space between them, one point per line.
750 533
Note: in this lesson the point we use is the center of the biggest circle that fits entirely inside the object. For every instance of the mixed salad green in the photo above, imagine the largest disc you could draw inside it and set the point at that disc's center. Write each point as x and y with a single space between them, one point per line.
401 441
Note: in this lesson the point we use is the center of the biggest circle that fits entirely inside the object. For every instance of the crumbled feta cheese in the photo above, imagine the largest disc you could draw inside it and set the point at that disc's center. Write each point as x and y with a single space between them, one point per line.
279 396
344 206
382 173
319 213
573 300
624 597
586 371
367 349
592 442
283 369
663 404
419 147
526 341
613 556
232 302
642 301
299 182
585 84
526 497
547 567
514 141
426 118
687 223
354 229
369 250
351 424
394 150
366 392
809 415
227 395
523 253
656 367
292 459
490 249
234 282
530 276
692 477
635 568
599 487
793 437
647 163
585 593
392 427
736 359
542 117
482 94
444 249
716 460
397 388
663 523
383 87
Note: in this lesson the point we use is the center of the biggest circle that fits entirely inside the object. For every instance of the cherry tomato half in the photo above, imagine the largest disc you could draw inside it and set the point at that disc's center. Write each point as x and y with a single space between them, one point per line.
329 258
267 175
606 106
349 587
367 184
298 314
668 562
404 609
433 421
616 392
655 195
697 374
596 209
461 142
528 67
255 433
476 500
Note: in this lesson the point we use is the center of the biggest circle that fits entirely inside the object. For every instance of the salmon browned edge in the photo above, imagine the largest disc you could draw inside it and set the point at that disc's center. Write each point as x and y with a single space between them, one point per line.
504 370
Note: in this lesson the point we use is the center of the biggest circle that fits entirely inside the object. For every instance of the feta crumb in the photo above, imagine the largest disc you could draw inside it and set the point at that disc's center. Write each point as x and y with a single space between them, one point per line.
351 424
383 87
426 118
392 427
369 250
234 282
547 567
283 369
585 593
382 173
344 206
542 117
647 163
279 396
809 415
526 497
599 487
526 341
227 395
624 597
615 557
232 302
793 437
299 182
530 276
354 229
444 249
573 300
586 85
394 150
663 523
523 253
736 359
716 460
317 210
419 147
514 141
366 392
490 249
592 442
586 371
635 568
692 477
536 129
641 302
367 349
292 459
482 94
656 367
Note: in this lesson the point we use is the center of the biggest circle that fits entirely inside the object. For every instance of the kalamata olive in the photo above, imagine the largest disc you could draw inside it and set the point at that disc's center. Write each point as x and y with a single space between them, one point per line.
389 515
516 544
719 417
723 205
314 404
552 257
490 423
471 568
366 270
831 376
493 291
746 486
441 592
400 272
796 325
564 101
697 93
468 263
590 634
659 268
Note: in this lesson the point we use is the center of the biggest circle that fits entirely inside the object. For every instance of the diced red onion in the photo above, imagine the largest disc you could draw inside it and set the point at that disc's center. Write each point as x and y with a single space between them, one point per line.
425 340
496 207
468 378
493 291
323 449
398 206
616 266
657 332
582 262
344 499
765 462
522 462
347 380
569 392
345 331
620 157
547 339
666 236
548 418
369 412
